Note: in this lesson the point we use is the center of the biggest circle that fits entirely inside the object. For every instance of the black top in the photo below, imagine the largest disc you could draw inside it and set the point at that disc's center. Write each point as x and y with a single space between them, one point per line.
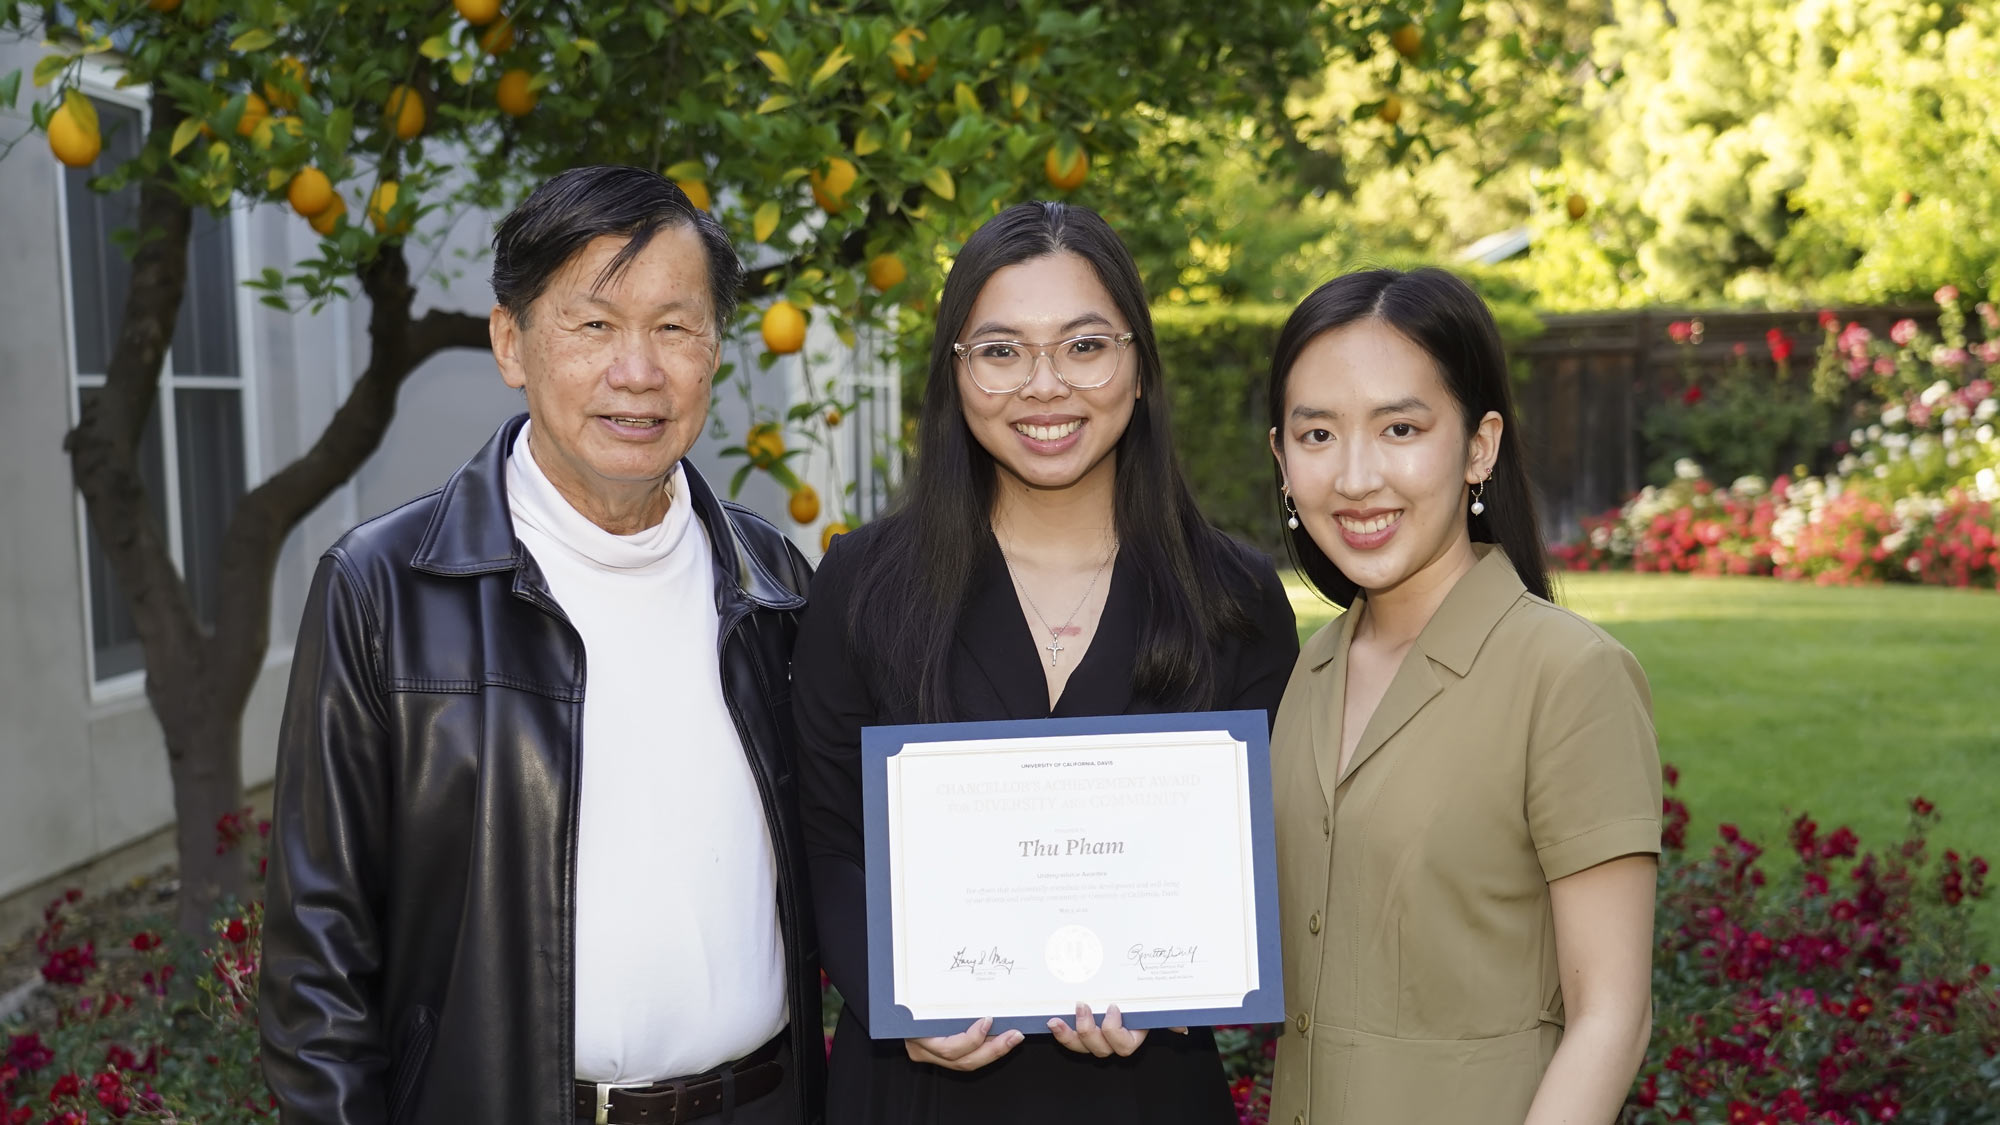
995 673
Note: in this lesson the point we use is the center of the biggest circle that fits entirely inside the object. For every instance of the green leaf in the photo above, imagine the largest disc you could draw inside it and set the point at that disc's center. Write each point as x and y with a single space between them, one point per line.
765 223
776 102
80 107
780 69
10 88
275 301
655 21
435 48
255 39
686 170
784 475
463 69
963 97
184 135
940 181
736 482
867 142
990 40
50 65
832 66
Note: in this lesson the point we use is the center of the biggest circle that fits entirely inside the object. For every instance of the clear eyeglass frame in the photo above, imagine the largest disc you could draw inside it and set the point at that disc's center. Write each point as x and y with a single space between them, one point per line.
1036 352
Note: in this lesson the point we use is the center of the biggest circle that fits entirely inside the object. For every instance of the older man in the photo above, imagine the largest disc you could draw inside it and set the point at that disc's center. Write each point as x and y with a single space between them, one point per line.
535 855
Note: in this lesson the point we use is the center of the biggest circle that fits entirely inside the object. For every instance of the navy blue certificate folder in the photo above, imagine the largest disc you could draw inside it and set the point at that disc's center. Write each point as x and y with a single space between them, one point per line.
1034 776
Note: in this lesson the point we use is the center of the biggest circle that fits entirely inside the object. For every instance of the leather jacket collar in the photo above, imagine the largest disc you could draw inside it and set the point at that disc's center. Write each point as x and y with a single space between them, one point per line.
472 532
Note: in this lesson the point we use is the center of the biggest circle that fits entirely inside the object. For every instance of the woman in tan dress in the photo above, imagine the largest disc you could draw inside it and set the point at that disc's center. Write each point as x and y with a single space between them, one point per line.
1468 787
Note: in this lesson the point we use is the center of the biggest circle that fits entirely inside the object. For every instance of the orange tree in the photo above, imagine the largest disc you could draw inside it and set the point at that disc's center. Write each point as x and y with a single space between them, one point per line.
829 137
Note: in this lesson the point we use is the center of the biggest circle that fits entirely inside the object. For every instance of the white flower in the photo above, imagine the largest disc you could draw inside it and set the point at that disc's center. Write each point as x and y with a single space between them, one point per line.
1892 416
1935 393
1894 442
1848 464
1923 446
1857 438
1687 469
1881 472
1986 409
1875 432
1956 414
1749 486
1894 541
1951 459
1600 537
1984 434
1987 484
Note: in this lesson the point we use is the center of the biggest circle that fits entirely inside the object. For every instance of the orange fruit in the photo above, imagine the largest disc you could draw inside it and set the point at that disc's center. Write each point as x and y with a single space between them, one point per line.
832 183
833 416
382 201
885 272
1391 111
784 328
516 97
765 443
328 220
1408 40
1577 205
311 192
75 143
826 535
805 504
278 91
696 191
404 112
920 70
498 39
478 13
255 110
1066 175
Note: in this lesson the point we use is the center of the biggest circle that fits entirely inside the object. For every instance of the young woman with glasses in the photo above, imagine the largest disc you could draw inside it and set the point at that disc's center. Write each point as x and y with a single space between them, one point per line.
1047 560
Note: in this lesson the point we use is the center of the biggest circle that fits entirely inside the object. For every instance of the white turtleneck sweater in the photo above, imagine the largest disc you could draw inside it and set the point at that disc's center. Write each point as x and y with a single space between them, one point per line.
679 962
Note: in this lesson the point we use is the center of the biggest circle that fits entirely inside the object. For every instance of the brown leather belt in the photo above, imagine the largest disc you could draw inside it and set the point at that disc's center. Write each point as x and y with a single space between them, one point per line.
683 1099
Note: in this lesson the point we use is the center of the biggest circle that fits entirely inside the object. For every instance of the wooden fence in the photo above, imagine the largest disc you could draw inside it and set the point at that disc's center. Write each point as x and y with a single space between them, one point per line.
1591 378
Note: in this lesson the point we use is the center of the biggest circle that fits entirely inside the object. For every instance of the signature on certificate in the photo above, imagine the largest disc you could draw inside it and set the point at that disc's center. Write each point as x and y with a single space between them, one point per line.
1152 957
981 963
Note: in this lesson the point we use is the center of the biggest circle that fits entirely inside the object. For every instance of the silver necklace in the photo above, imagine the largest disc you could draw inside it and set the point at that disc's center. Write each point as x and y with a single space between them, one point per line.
1055 645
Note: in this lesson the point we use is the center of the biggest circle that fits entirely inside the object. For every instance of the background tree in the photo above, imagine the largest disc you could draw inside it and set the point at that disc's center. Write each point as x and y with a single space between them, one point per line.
840 143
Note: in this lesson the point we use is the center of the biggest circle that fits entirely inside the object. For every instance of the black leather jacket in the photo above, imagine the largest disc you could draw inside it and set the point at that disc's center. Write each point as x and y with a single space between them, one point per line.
418 945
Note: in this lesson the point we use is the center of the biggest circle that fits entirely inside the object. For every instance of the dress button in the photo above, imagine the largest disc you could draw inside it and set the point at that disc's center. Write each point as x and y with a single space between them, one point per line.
1299 1119
1326 827
1303 1022
1312 923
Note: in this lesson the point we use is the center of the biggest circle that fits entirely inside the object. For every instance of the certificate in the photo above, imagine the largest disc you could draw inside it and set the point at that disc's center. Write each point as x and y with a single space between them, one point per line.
1016 869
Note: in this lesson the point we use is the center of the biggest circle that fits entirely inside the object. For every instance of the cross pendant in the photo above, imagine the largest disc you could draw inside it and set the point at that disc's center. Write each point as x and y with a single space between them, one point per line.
1055 646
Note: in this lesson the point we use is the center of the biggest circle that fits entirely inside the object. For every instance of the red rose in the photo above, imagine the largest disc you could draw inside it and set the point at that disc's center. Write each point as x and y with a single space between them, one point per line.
145 940
1680 331
68 1086
236 931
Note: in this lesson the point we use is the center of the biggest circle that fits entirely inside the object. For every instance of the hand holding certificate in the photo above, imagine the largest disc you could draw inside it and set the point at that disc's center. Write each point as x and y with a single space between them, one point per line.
1018 869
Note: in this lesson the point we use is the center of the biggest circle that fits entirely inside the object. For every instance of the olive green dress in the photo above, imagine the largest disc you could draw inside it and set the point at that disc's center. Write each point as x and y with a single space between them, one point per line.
1514 747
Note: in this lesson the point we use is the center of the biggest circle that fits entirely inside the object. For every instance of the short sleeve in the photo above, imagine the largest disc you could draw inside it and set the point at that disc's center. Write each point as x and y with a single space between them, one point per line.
1593 779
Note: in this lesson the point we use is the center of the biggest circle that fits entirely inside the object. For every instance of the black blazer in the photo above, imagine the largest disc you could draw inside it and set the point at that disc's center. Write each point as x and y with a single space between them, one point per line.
995 673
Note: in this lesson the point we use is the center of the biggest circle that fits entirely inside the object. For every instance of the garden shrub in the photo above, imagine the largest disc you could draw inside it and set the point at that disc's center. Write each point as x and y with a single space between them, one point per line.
1842 987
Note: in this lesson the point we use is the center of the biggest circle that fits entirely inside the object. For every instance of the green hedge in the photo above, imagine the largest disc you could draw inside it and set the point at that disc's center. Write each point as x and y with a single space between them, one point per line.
1217 360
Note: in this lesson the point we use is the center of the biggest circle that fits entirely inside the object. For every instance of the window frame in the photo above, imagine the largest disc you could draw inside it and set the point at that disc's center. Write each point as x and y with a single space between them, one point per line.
98 80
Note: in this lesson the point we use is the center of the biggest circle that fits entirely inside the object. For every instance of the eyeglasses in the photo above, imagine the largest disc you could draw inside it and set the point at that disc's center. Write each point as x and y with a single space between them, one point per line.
1002 367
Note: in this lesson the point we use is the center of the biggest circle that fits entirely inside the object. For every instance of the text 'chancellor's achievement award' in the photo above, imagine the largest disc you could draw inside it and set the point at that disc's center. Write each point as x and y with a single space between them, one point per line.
1017 868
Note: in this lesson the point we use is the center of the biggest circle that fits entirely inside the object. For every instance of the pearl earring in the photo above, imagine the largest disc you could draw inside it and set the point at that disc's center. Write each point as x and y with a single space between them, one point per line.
1292 519
1478 501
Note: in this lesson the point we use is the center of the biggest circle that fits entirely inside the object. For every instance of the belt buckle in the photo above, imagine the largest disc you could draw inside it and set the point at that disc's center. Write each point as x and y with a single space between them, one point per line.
604 1102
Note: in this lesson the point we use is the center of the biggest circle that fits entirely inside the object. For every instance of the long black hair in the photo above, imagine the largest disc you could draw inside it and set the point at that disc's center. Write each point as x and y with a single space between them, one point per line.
1442 315
913 585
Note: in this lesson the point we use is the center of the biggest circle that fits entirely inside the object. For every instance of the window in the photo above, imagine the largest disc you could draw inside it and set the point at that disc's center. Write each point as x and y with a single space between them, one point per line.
194 454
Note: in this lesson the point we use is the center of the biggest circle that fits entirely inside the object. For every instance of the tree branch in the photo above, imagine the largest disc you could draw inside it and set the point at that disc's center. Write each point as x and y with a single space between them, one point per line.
265 517
104 447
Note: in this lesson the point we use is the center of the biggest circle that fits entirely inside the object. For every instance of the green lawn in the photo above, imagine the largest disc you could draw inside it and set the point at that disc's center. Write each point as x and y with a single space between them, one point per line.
1776 697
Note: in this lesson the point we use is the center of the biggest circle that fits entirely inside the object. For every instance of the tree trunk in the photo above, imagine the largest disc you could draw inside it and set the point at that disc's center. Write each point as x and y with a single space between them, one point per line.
205 759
